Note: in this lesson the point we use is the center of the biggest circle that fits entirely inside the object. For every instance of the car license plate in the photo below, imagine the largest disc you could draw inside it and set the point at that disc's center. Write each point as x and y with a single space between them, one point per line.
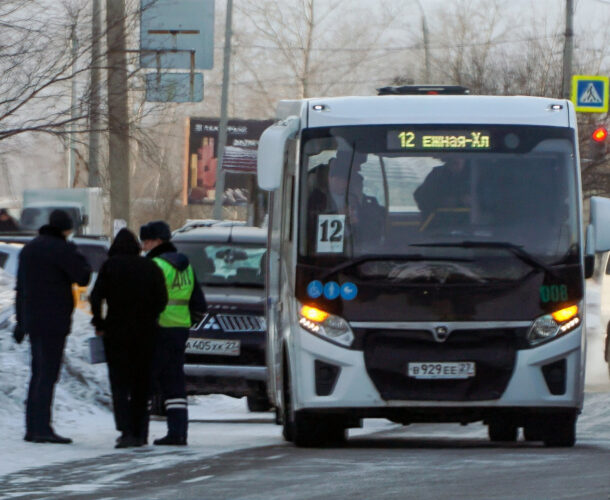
442 370
213 346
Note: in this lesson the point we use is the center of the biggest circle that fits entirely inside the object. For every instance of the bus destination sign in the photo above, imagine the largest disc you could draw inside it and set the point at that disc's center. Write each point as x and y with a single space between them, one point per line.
438 140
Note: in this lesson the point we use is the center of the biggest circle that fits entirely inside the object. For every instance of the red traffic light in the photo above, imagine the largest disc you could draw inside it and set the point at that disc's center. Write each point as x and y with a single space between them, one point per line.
600 134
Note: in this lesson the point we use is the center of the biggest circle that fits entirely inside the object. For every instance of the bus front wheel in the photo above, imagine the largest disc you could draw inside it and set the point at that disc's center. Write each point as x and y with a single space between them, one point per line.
560 430
500 430
309 430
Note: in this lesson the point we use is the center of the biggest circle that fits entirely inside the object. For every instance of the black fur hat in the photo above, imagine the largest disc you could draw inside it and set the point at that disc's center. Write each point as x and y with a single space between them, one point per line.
155 229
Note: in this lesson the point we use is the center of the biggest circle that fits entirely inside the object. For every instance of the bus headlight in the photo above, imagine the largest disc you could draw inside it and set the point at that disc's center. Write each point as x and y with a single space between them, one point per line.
553 325
326 325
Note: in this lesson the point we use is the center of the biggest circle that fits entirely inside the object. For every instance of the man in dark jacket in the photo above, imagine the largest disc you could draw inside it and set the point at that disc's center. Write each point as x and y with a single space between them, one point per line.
48 266
134 290
185 306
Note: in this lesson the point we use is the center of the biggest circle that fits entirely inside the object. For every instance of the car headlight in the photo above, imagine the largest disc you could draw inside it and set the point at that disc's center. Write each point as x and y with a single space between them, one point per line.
553 325
326 325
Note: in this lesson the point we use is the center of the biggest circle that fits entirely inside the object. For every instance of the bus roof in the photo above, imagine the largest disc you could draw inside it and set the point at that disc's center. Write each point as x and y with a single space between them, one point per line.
429 109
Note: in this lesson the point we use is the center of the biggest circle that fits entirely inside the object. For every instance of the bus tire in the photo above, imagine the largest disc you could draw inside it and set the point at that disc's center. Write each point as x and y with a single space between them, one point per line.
607 348
287 421
315 431
532 432
500 430
308 430
560 430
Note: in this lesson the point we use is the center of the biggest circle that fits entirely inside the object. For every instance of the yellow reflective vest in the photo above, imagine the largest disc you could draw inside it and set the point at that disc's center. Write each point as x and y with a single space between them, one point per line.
180 285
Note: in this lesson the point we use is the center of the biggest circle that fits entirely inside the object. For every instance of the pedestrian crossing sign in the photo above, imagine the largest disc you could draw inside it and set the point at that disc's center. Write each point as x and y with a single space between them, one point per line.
590 93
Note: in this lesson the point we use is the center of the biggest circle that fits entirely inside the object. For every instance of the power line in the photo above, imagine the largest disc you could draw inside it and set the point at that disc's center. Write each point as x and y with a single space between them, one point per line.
417 46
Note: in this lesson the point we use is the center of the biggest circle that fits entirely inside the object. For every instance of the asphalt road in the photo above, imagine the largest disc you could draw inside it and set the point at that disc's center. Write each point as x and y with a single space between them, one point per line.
419 462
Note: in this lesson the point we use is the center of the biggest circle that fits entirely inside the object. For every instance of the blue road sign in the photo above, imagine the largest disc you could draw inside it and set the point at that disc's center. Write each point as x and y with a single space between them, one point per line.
174 87
177 34
349 291
315 289
332 290
590 93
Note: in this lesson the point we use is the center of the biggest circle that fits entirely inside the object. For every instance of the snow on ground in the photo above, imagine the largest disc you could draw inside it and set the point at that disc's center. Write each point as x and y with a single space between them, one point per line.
82 404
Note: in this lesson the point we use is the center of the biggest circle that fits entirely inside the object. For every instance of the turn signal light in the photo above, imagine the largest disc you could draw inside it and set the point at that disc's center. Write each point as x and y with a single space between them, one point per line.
313 314
565 314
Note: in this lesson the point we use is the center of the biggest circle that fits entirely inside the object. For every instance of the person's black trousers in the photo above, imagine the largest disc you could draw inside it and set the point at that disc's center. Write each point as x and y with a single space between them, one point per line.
47 352
129 370
169 375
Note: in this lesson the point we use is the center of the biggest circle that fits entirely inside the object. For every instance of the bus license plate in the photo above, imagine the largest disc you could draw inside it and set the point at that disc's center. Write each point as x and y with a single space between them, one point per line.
442 370
212 346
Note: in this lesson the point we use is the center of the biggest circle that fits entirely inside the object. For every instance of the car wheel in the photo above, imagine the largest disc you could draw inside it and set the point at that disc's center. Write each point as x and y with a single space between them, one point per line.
501 430
258 402
560 430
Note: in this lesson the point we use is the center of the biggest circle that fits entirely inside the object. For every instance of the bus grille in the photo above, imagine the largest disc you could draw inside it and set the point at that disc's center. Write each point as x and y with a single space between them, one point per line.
387 354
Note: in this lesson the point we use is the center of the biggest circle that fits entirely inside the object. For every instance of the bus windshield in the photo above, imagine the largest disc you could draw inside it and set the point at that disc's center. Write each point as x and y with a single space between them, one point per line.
455 194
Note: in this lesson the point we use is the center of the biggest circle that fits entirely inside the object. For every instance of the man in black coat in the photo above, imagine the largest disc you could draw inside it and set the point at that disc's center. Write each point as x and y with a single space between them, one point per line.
48 266
134 290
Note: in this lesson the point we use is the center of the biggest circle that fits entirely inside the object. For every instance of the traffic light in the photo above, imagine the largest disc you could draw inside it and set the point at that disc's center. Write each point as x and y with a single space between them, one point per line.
600 141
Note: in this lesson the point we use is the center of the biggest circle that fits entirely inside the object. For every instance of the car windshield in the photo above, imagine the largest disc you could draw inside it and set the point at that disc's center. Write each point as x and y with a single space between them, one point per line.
455 199
226 264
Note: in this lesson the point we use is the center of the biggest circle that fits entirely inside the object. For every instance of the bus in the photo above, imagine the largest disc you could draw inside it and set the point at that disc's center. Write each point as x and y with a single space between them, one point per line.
426 263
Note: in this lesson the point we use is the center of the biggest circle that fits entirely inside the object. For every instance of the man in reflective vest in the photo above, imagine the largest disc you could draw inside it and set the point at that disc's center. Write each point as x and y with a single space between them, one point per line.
186 305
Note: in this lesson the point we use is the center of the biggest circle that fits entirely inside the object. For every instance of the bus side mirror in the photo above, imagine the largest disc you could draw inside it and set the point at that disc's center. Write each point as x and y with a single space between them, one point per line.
598 233
589 266
271 149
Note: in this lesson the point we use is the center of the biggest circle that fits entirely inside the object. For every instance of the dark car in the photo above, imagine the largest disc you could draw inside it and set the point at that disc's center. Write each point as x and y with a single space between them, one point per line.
225 353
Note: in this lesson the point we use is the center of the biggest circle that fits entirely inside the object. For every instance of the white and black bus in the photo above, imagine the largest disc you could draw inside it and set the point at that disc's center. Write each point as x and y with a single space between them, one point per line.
426 263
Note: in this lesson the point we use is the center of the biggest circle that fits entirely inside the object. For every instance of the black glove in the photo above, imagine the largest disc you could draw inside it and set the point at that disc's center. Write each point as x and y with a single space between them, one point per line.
18 334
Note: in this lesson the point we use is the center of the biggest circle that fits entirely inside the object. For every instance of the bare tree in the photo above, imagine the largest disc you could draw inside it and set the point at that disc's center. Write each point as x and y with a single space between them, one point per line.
309 47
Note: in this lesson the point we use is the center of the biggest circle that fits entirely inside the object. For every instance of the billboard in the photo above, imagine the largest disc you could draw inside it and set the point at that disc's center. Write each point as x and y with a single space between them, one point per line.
239 159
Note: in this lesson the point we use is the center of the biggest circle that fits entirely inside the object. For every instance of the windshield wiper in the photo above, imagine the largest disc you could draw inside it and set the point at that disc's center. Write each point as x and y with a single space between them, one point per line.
400 257
516 250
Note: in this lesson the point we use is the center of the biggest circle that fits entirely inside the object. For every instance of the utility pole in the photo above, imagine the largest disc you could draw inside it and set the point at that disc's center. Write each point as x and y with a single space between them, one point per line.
94 97
568 48
222 129
72 140
424 28
118 114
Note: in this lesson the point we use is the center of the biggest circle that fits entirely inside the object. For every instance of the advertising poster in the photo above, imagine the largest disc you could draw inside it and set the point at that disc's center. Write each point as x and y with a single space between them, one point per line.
239 159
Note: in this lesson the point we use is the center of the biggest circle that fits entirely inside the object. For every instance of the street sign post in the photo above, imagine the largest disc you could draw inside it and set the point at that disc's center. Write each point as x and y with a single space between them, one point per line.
170 29
590 93
174 87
